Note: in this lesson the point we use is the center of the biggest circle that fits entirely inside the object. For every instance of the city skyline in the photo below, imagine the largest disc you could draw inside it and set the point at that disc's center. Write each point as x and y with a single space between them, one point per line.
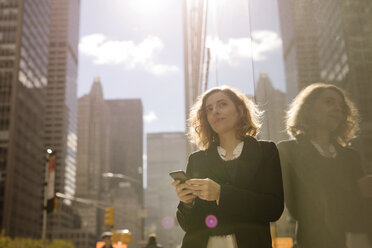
113 40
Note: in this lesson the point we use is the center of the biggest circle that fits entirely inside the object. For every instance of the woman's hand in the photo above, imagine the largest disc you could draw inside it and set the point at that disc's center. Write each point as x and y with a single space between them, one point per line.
184 193
205 189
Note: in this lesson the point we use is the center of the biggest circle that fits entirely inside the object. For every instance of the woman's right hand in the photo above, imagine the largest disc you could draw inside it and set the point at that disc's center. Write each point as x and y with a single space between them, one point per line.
184 194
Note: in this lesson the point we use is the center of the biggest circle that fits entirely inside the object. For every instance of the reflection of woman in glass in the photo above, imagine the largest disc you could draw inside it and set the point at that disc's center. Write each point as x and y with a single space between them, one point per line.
320 172
235 186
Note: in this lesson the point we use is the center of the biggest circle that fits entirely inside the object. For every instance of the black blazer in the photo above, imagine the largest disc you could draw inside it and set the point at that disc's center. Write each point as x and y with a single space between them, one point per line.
251 196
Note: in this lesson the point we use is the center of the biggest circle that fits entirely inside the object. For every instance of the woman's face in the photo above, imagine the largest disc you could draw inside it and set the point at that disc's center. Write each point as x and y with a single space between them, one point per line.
327 111
222 115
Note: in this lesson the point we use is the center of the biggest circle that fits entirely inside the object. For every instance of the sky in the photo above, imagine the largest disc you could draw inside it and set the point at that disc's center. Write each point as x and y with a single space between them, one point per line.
136 49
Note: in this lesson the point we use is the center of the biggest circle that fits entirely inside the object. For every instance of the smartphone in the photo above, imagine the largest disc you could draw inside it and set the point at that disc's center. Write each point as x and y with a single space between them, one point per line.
179 175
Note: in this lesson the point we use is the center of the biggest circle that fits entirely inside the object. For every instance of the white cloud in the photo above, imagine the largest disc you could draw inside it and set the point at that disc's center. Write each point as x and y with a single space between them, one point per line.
150 117
127 53
160 69
234 50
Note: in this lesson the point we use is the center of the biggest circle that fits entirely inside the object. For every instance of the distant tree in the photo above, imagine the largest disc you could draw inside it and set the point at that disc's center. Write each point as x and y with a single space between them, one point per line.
60 244
6 242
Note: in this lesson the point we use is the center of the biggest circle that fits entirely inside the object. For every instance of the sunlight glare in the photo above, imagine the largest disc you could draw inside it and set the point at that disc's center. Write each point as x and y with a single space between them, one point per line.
149 6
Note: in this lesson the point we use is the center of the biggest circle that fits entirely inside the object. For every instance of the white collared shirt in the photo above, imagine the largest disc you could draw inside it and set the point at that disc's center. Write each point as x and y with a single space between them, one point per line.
236 153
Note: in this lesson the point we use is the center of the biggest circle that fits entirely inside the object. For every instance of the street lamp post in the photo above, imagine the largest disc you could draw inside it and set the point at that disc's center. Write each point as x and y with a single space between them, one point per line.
45 200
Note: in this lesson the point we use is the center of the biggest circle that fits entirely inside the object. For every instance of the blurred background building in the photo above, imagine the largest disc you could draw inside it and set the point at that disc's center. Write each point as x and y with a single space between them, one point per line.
300 50
91 156
165 152
125 157
24 39
61 109
110 140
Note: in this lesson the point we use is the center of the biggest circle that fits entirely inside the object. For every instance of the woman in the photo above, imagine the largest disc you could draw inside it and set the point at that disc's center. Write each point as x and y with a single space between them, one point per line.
235 186
320 172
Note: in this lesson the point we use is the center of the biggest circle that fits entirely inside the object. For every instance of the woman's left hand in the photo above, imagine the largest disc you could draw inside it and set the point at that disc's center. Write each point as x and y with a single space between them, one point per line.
205 189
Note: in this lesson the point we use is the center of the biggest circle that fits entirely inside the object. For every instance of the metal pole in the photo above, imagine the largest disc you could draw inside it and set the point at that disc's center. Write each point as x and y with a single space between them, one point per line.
43 234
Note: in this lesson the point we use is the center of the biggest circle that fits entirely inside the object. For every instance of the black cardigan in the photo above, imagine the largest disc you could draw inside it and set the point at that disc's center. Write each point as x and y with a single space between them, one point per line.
251 196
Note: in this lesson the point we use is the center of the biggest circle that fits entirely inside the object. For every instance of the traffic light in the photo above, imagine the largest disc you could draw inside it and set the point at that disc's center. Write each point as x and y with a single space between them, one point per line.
109 216
115 237
55 204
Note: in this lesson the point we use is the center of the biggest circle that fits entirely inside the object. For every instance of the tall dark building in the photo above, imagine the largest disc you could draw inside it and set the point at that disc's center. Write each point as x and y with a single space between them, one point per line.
125 155
125 141
165 152
91 156
338 37
24 38
61 108
300 49
110 140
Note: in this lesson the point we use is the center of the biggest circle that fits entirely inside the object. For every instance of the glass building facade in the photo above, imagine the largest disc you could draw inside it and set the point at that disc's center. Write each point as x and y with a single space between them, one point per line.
331 42
24 29
61 108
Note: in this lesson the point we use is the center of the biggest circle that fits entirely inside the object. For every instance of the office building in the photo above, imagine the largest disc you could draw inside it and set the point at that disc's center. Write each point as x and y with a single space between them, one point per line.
91 156
24 38
61 107
165 152
110 140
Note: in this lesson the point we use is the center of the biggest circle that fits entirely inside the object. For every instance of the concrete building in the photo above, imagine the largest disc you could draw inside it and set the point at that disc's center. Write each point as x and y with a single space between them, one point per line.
165 152
24 38
335 40
272 102
61 107
125 154
125 139
110 140
91 156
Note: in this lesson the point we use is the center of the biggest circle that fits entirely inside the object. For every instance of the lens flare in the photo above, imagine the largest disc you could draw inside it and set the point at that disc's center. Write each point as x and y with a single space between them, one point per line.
211 221
167 222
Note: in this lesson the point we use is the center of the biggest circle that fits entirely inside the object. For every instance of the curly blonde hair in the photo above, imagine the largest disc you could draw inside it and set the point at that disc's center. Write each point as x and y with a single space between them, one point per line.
299 120
202 134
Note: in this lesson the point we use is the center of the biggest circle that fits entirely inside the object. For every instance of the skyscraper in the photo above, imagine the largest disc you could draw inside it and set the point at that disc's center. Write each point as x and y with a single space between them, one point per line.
126 138
91 156
165 152
110 140
61 114
24 38
125 154
300 50
61 108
